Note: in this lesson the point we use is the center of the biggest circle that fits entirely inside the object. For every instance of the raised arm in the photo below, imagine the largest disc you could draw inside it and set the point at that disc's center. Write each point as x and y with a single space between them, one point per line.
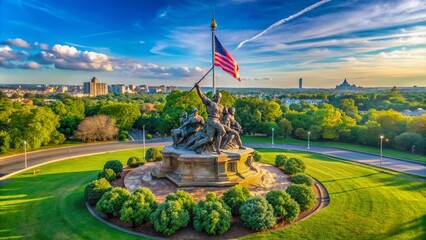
201 94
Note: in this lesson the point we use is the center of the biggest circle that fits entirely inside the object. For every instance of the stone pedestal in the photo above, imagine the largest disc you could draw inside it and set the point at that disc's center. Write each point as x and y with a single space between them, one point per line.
187 168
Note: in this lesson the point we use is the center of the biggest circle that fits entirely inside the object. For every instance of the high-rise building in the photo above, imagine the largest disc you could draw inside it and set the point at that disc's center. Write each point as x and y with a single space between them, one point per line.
95 88
132 87
300 83
117 88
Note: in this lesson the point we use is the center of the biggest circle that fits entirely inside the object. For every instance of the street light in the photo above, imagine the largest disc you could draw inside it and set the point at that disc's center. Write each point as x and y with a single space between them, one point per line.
143 138
381 149
25 153
272 136
309 136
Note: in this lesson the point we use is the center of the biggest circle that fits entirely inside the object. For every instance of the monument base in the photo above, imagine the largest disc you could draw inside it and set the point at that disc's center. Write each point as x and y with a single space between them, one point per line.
187 168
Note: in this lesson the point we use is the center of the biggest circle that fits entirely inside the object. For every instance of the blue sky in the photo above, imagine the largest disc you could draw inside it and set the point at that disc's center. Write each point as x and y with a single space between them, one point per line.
371 43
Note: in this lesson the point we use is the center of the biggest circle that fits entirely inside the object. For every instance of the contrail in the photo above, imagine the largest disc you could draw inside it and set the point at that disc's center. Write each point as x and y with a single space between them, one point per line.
313 6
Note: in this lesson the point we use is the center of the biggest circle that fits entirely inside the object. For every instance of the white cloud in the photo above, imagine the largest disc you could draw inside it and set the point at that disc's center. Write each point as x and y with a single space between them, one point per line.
18 42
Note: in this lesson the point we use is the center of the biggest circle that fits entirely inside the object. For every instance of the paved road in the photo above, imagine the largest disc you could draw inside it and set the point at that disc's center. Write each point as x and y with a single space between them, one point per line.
16 162
366 158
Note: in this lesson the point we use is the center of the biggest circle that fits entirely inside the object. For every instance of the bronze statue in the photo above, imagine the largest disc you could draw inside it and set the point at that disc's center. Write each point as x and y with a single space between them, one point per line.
190 125
215 112
232 128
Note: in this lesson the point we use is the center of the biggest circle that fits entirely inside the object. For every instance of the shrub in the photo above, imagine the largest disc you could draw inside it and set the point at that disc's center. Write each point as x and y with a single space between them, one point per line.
257 214
257 156
112 201
284 206
153 154
108 174
303 195
169 217
138 207
235 197
301 178
280 160
122 137
148 136
294 165
212 215
115 165
94 190
135 162
187 201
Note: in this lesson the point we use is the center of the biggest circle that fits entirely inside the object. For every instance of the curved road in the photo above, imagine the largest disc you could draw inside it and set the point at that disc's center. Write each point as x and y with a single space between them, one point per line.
15 163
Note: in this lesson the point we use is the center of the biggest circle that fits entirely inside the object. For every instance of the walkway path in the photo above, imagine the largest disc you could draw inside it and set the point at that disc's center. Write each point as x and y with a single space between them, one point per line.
15 163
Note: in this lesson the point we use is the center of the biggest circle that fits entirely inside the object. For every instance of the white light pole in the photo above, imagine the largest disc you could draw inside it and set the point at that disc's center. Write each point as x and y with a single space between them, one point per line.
309 137
143 139
272 136
25 153
381 149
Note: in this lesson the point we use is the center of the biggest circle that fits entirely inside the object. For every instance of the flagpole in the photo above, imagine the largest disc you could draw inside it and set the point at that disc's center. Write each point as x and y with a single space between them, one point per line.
213 26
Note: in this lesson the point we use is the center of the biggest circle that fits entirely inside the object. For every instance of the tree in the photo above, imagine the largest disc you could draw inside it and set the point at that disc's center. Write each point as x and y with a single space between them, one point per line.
137 209
301 178
212 215
98 127
272 111
257 214
284 127
124 113
284 206
111 202
407 140
235 197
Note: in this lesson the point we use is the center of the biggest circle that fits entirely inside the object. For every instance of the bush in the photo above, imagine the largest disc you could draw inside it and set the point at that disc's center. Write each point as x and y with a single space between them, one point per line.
187 201
148 136
135 162
301 178
138 207
280 160
111 202
294 165
153 154
212 215
169 217
108 174
122 137
235 197
303 195
257 156
94 190
257 214
115 165
284 206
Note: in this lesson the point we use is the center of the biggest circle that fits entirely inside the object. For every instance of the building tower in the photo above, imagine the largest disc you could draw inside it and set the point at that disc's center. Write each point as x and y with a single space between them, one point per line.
95 88
300 83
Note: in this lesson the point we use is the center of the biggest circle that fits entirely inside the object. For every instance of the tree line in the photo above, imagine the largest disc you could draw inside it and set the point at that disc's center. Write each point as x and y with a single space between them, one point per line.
113 115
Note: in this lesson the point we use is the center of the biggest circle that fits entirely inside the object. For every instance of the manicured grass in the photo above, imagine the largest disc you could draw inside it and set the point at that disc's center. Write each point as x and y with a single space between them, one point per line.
366 202
355 147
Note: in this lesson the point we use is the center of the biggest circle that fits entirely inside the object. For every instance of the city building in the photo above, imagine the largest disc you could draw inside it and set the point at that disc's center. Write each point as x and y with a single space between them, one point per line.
95 88
117 88
345 86
289 101
132 88
62 89
300 83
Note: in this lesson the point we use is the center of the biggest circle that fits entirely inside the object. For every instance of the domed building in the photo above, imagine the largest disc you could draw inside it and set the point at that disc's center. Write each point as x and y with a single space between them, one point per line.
345 86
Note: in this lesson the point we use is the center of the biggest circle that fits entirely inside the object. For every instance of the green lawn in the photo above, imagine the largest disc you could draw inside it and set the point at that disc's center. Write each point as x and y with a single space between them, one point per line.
366 202
355 147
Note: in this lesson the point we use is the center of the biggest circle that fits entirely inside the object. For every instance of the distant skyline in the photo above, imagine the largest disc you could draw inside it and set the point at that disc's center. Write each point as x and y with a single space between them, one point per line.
379 43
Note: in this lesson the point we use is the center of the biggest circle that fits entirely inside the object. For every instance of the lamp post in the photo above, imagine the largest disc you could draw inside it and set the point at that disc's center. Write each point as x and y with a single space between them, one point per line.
272 136
25 153
309 137
143 139
381 149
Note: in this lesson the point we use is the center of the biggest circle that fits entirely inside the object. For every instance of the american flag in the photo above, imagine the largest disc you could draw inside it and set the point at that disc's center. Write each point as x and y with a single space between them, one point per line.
224 59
